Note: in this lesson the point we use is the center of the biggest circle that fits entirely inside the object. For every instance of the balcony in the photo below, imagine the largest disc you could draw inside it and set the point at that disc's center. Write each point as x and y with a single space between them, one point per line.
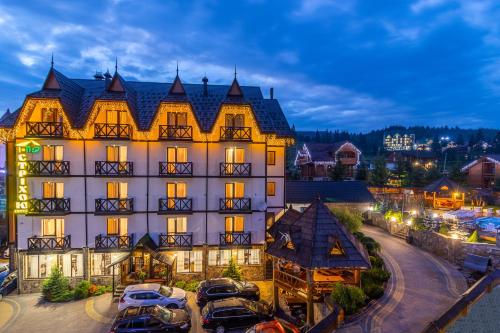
44 129
176 169
235 169
48 168
176 240
235 238
235 133
242 205
175 205
50 206
174 132
114 206
112 131
49 243
117 169
113 242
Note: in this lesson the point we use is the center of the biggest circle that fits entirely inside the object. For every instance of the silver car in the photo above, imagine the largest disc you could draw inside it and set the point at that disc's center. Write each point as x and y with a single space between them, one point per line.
148 294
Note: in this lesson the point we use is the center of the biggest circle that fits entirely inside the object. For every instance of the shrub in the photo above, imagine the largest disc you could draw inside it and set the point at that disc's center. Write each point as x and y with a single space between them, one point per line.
56 287
180 284
379 275
352 219
396 216
350 298
192 286
371 245
232 271
373 291
473 238
376 261
82 290
444 230
359 235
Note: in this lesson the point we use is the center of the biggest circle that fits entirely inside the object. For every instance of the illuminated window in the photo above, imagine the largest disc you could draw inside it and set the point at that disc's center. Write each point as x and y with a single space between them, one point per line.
176 154
235 190
177 119
52 153
116 117
336 247
174 191
235 120
53 190
176 225
271 189
235 155
117 226
52 227
39 266
99 262
50 115
116 153
117 190
189 261
235 224
271 157
241 256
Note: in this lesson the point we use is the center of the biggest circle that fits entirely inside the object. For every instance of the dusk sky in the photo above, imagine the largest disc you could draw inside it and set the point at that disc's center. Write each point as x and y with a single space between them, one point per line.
346 64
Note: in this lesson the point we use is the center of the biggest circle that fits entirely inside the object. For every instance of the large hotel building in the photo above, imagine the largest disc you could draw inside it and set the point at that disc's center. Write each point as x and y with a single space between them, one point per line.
108 177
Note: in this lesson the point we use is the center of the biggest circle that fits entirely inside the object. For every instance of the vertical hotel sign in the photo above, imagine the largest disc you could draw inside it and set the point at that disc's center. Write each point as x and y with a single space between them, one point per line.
22 151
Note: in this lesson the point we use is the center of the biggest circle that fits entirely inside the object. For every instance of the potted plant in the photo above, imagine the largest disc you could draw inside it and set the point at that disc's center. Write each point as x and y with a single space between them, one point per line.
141 275
164 274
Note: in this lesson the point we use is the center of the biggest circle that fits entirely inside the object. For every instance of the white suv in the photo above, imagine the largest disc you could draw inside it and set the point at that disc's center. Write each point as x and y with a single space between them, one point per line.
152 294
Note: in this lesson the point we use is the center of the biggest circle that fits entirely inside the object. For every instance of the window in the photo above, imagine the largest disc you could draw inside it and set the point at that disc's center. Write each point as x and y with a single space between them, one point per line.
271 189
116 117
176 154
39 266
52 153
52 227
176 190
49 115
177 119
117 226
189 261
242 257
99 261
235 224
116 190
235 190
235 155
116 153
235 120
176 225
271 157
53 190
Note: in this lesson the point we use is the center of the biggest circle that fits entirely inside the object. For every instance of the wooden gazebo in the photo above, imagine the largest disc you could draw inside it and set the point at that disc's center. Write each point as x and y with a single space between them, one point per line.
311 251
444 194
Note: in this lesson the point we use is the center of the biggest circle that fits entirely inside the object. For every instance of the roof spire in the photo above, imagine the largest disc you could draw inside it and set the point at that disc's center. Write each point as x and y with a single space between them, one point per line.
116 64
235 73
52 61
177 69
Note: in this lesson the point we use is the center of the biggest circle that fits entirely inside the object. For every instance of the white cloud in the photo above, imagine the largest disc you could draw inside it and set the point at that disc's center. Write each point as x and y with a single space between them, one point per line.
422 5
27 60
312 7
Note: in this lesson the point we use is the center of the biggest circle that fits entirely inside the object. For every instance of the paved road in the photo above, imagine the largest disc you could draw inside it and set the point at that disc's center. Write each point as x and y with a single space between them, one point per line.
421 287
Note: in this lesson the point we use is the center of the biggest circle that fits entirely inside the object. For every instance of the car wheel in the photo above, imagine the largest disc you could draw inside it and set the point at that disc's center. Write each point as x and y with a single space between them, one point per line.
220 329
172 306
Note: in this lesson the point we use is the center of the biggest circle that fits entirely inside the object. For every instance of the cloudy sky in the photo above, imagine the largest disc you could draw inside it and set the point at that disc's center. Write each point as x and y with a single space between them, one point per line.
338 64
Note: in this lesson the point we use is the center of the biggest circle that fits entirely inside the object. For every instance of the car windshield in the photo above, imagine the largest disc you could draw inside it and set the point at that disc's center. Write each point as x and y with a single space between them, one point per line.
3 268
238 285
166 291
165 315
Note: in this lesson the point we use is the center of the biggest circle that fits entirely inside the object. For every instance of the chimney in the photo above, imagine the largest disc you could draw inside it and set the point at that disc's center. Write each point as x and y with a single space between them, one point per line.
271 93
205 85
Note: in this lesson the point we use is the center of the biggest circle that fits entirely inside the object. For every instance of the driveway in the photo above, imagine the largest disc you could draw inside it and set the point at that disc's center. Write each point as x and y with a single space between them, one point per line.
421 287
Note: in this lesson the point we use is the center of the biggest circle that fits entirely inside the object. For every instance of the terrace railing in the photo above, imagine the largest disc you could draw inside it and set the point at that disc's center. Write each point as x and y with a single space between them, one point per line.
44 129
48 168
120 169
235 204
176 169
175 205
230 133
49 243
49 206
178 239
114 206
175 132
112 131
114 241
235 238
235 169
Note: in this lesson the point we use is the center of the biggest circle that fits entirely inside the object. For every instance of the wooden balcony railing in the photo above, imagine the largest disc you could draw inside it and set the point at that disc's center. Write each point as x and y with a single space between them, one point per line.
114 242
120 169
169 240
290 280
175 205
43 129
235 169
114 206
175 132
49 206
112 131
235 238
49 243
229 133
235 205
48 168
176 169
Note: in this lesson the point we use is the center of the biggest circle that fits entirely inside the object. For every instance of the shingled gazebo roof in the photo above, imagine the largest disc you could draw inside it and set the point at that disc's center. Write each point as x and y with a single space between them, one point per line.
307 239
437 186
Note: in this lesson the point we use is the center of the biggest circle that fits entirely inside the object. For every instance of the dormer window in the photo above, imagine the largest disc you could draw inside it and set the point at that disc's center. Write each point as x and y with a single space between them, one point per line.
116 117
336 248
178 119
50 115
235 120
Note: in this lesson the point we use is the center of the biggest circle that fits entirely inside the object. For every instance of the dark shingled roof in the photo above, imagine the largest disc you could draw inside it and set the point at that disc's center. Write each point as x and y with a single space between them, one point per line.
313 236
77 97
304 191
324 151
8 119
444 181
289 217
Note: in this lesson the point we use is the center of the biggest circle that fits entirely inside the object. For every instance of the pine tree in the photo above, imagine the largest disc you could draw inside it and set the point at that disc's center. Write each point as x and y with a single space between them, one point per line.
362 172
56 287
380 174
338 171
232 271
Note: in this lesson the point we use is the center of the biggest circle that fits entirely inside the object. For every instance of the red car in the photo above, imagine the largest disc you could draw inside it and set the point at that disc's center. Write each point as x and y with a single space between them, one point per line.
275 326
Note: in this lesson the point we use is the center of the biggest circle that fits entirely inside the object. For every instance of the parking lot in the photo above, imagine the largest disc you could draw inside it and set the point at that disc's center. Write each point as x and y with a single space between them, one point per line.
28 313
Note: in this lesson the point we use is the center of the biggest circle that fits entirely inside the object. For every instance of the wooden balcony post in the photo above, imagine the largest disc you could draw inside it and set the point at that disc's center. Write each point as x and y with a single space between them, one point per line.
310 304
276 296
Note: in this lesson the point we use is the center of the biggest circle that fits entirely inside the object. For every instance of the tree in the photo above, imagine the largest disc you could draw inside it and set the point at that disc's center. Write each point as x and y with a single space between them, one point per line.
460 139
56 287
436 146
380 174
338 171
350 298
416 176
233 271
362 172
352 219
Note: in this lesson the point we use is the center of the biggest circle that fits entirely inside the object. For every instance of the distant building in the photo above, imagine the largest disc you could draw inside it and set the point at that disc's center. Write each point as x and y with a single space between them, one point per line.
399 142
424 158
483 172
315 160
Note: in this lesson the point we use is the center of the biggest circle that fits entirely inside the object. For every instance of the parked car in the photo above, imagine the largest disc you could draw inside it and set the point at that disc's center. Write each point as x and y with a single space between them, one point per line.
152 319
214 289
275 326
148 294
4 271
234 312
8 284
